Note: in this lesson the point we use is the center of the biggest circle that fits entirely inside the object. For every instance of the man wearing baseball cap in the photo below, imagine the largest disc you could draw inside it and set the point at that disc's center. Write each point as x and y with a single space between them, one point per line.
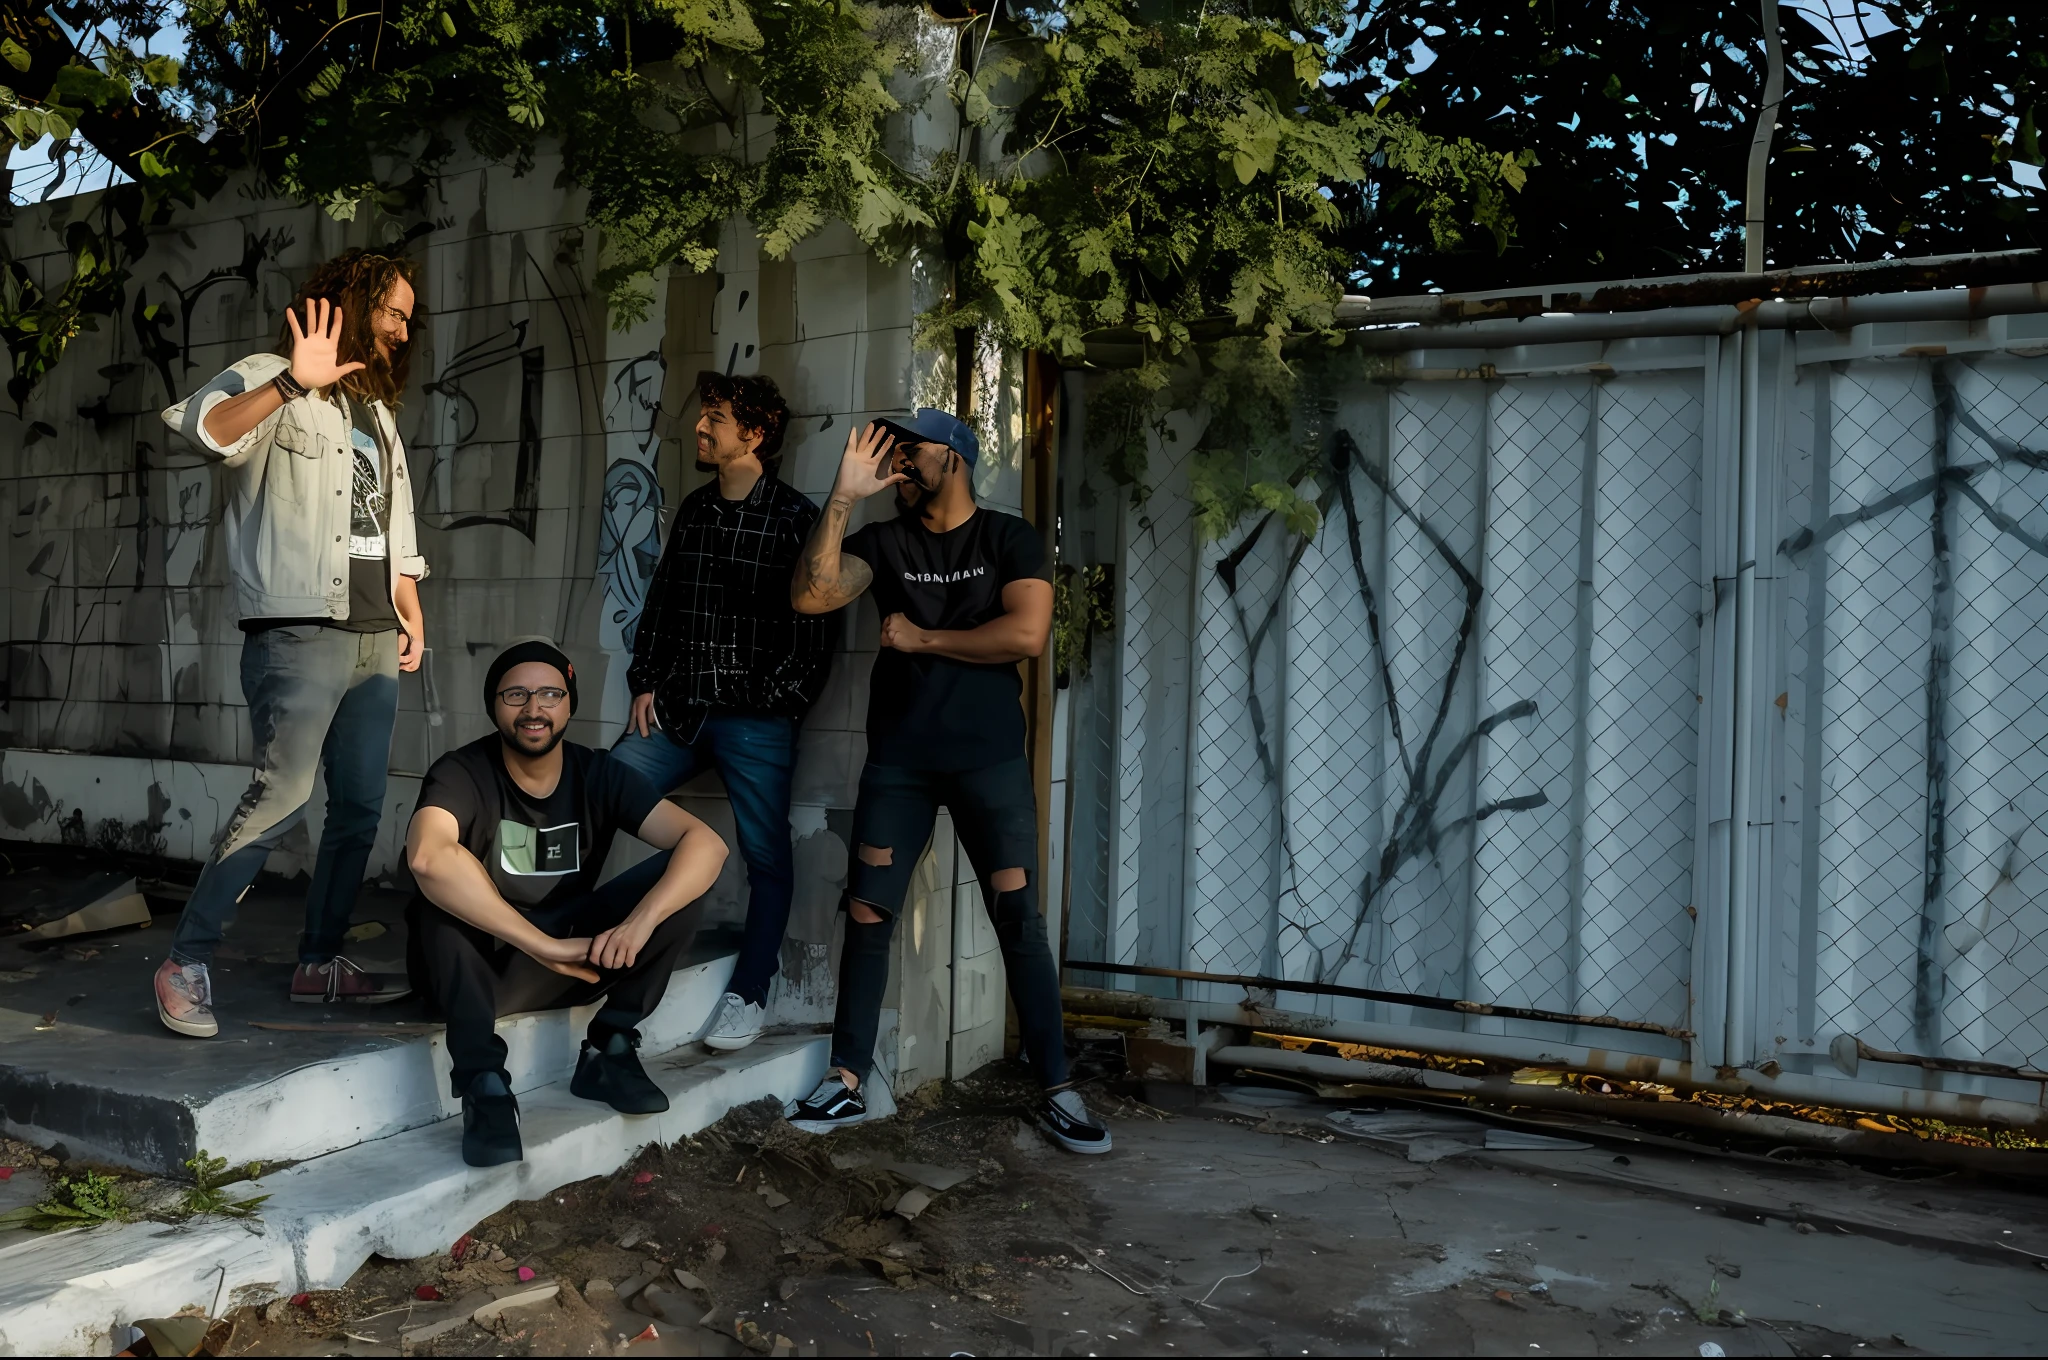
510 835
964 594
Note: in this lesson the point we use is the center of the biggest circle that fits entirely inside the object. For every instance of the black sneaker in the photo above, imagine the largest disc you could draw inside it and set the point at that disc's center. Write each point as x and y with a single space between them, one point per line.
490 1122
1065 1118
833 1105
611 1072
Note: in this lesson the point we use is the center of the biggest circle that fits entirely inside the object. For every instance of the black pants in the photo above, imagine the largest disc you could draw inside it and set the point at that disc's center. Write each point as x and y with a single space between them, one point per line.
995 812
475 977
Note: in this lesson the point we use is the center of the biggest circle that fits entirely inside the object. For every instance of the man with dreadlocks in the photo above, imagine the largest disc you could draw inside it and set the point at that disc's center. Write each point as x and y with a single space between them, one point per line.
326 564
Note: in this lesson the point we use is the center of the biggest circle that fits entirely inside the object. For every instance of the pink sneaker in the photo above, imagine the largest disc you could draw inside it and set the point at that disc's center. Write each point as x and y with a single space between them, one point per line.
340 980
184 999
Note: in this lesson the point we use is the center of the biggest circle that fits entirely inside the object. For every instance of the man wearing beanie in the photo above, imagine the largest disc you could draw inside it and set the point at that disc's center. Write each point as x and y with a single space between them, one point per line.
964 596
511 833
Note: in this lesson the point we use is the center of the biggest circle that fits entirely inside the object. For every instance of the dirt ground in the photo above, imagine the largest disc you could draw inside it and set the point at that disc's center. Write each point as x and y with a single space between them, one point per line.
795 1244
1236 1221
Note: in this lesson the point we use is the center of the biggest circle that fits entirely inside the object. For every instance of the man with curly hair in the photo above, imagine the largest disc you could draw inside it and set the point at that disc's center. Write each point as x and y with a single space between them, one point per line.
326 564
724 669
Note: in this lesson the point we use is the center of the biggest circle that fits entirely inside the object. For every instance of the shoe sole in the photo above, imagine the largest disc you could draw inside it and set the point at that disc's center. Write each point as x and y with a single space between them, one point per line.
518 1156
824 1125
723 1044
574 1089
189 1028
1079 1149
600 1100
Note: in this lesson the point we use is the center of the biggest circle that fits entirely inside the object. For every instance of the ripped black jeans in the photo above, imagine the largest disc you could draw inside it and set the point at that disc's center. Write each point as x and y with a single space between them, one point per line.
996 816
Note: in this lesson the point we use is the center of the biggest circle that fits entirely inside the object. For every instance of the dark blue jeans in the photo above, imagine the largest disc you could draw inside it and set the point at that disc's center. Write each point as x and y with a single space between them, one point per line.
755 755
995 813
319 699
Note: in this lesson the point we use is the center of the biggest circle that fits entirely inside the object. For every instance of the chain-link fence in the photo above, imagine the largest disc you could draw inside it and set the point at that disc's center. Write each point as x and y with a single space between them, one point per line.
1697 691
1915 593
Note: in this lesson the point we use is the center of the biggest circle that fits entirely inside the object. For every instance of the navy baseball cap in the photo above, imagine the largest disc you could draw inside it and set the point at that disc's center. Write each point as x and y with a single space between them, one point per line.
928 426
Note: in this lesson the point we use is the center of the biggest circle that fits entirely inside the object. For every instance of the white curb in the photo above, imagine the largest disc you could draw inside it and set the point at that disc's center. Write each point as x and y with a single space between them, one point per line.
404 1196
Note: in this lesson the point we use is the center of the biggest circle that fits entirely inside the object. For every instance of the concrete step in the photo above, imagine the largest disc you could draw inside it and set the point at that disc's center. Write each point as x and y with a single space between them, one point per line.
317 1079
404 1196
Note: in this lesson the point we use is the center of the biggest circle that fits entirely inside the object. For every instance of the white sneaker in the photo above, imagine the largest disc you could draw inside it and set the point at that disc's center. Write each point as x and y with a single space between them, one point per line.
738 1024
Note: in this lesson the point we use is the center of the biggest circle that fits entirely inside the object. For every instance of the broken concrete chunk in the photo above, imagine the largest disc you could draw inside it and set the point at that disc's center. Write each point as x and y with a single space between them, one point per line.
175 1335
938 1178
634 1233
658 1303
849 1161
912 1202
419 1333
633 1285
774 1198
101 901
600 1286
689 1281
526 1297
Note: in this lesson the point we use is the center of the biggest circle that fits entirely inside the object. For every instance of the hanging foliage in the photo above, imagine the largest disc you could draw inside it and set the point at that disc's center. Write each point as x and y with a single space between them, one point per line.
1164 177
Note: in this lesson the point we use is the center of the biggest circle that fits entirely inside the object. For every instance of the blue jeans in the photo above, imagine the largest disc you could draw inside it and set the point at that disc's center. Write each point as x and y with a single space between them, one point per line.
319 699
755 755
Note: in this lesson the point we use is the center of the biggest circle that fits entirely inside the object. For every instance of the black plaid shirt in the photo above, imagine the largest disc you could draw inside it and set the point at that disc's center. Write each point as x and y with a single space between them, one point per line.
717 630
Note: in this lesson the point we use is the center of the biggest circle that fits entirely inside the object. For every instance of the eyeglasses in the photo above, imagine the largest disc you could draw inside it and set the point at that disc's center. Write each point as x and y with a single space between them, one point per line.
385 309
549 697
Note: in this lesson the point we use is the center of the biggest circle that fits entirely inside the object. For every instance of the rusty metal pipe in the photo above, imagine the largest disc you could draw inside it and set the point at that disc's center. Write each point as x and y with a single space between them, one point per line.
1450 1089
1832 314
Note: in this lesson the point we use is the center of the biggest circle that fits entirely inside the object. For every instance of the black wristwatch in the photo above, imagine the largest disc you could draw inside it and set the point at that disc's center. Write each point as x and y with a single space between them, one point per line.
287 386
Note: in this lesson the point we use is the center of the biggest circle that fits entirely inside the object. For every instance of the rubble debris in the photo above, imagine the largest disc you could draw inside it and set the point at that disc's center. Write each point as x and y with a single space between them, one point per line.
49 906
490 1312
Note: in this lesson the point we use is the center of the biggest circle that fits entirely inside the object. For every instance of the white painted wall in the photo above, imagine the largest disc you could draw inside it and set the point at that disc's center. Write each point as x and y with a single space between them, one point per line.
546 448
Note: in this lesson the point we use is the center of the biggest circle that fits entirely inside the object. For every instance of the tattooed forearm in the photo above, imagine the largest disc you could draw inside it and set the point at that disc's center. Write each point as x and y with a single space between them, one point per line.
826 578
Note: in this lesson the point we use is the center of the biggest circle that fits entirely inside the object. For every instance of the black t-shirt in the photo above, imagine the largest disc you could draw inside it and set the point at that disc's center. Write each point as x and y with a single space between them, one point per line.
932 712
369 580
540 852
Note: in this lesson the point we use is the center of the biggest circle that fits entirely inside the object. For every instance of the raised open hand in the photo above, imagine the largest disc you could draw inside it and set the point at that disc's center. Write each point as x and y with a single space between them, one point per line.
861 466
316 346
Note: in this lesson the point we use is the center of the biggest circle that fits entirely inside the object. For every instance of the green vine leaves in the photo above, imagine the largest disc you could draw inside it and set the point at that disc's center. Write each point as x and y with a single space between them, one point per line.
1172 188
1164 182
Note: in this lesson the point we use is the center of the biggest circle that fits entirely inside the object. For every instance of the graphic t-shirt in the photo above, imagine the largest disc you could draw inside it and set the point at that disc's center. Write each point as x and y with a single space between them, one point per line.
369 584
540 852
932 712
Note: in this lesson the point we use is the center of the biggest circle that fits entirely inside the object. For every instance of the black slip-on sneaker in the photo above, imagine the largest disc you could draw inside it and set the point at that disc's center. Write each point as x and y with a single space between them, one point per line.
1065 1118
490 1122
611 1072
832 1106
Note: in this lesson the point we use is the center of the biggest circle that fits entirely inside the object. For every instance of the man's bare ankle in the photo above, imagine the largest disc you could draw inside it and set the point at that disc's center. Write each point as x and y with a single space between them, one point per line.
852 1082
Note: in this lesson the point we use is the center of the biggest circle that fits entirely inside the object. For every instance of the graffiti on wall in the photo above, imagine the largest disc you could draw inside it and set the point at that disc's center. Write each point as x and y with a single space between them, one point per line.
480 387
628 542
1430 756
629 522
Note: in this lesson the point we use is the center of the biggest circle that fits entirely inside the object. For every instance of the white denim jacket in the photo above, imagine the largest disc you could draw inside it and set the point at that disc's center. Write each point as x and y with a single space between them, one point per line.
288 497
